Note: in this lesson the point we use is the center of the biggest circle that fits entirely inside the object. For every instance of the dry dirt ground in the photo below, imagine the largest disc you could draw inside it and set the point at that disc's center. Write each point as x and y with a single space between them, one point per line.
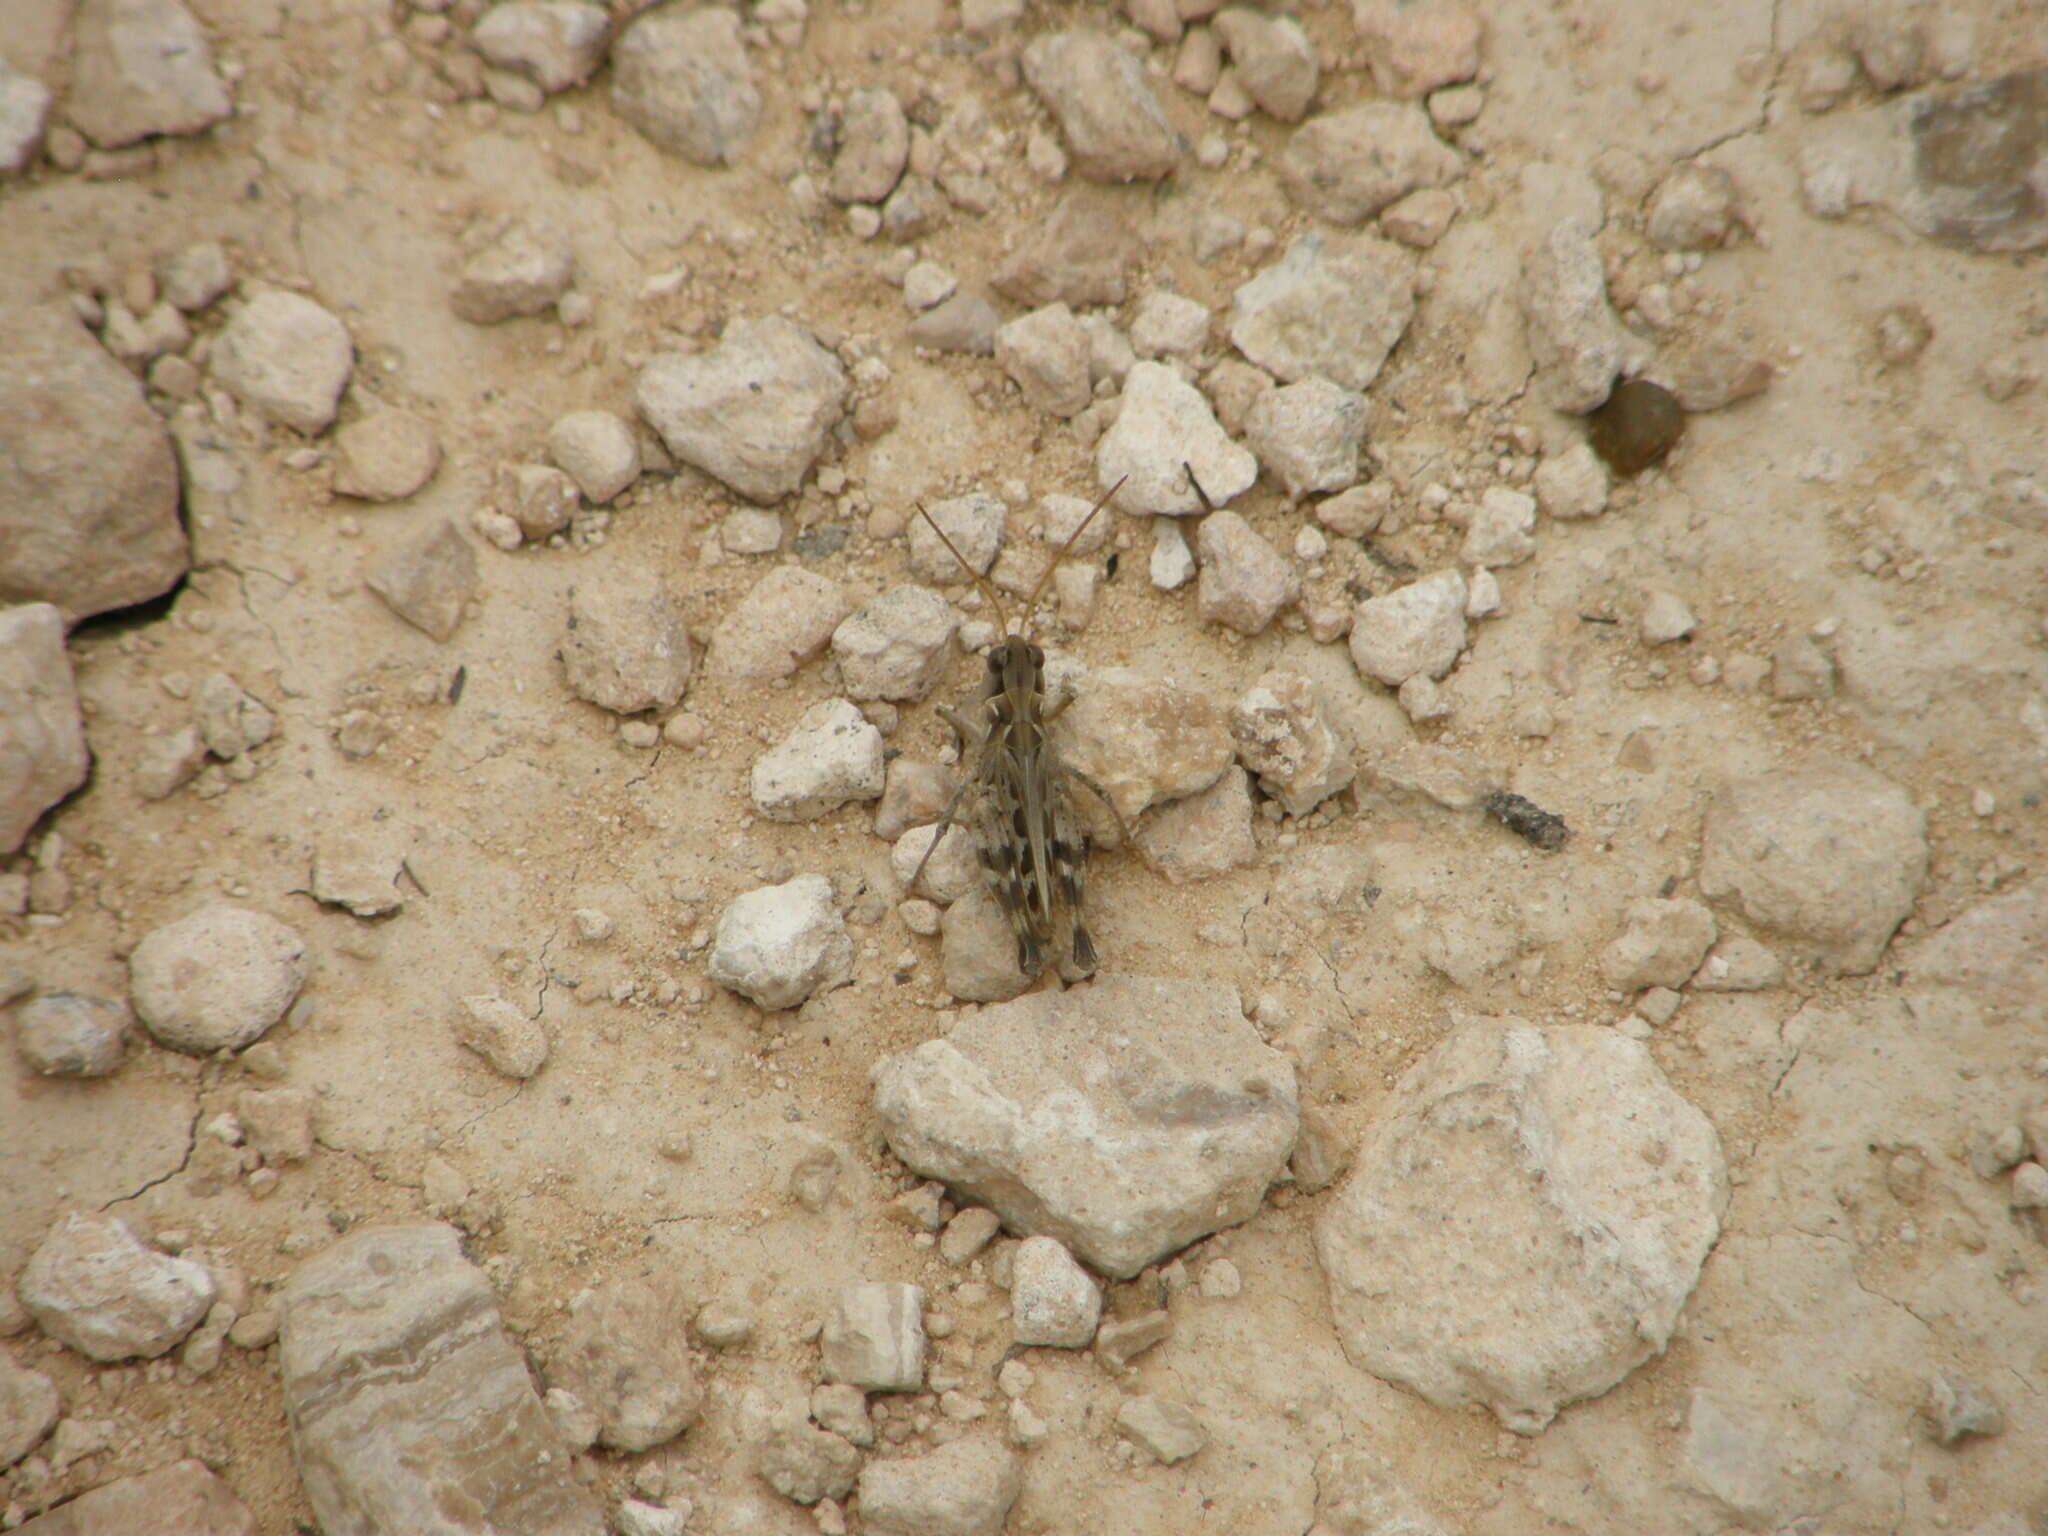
1843 501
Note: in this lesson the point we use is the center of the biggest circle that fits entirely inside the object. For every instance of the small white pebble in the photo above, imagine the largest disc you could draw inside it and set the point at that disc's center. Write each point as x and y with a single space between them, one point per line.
1220 1280
1983 803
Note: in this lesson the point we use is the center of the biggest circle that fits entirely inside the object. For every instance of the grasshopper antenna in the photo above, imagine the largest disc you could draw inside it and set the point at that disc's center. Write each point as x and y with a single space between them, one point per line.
1079 528
981 582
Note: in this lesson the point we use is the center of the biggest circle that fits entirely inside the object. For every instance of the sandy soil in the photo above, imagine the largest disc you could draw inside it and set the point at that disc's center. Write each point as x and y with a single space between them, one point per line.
519 804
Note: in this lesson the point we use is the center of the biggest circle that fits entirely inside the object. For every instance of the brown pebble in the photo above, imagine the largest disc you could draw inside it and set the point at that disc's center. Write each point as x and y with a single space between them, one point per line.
1638 426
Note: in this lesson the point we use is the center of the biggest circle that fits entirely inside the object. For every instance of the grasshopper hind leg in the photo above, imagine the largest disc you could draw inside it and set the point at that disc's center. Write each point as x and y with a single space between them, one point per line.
1005 883
1070 870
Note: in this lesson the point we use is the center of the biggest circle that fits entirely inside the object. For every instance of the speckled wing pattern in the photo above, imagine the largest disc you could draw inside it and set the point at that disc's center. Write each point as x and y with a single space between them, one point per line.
1033 854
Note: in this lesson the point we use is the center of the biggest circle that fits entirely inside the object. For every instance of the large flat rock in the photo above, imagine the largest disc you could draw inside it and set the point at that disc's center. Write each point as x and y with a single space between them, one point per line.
410 1406
1126 1118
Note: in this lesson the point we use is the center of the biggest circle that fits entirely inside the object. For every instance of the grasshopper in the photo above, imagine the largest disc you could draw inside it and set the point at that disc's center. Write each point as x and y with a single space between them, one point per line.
1032 849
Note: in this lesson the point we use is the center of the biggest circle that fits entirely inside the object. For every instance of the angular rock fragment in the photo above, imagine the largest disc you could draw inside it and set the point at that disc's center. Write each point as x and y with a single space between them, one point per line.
61 1034
285 358
359 875
231 722
833 756
626 648
24 109
1963 166
962 1489
874 1339
896 645
625 1356
28 1409
277 1123
141 68
1245 582
91 1286
1414 631
786 618
1166 1430
977 945
1275 62
1500 530
598 450
1992 950
972 524
1188 1115
1307 435
1164 428
215 979
88 482
1096 91
755 411
197 275
393 1355
1143 740
1079 255
805 1463
1046 353
511 1041
184 1497
1708 371
1831 855
557 44
1662 943
1346 166
1575 337
1572 484
1693 209
1415 46
1053 1301
1203 835
539 498
680 74
964 323
778 944
1524 1223
428 580
1329 307
522 272
1958 1406
43 755
874 142
1284 735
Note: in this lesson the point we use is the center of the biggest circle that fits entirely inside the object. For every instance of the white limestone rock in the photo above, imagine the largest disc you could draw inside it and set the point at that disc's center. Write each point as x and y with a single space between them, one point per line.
626 648
1414 631
90 1285
1045 1109
215 979
1830 855
1053 1301
1524 1220
1164 427
285 358
832 757
777 945
896 645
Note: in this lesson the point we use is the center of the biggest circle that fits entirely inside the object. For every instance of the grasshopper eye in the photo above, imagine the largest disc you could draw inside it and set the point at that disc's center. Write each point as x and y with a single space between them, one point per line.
995 661
1037 656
